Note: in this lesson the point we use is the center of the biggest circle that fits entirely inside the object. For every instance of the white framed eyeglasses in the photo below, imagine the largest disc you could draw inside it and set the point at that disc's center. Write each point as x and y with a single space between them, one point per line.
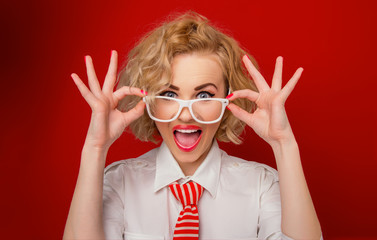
203 110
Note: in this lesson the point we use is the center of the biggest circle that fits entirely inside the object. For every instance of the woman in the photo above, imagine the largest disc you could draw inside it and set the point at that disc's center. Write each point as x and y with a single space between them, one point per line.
183 73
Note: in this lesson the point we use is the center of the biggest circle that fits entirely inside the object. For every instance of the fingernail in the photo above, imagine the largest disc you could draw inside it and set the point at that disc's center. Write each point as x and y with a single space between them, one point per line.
227 108
248 57
142 91
146 93
229 96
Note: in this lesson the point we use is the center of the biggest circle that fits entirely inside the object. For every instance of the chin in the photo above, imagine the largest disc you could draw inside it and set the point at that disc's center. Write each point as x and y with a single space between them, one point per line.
196 155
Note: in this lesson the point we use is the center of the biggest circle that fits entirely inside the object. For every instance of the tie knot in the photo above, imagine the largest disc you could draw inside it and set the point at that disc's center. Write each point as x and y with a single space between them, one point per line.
188 193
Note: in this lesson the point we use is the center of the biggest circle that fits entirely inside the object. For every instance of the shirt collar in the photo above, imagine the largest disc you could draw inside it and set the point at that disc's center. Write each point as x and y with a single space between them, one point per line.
207 174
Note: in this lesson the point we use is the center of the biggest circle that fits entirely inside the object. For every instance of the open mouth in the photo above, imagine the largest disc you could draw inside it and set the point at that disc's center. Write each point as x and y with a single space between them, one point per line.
187 137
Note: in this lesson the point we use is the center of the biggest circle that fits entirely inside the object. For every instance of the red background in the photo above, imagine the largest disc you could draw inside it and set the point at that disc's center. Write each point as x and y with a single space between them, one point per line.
44 118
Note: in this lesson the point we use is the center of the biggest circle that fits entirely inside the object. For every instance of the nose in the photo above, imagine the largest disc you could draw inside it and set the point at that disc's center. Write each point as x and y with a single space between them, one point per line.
185 115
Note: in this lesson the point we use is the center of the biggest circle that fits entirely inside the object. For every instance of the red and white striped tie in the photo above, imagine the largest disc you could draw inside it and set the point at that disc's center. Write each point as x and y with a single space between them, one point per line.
188 194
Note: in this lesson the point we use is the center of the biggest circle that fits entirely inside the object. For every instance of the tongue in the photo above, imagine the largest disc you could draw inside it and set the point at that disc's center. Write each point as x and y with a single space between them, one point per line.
187 139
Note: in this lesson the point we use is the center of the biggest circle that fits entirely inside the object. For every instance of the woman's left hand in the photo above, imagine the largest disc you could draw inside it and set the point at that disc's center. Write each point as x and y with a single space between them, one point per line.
269 120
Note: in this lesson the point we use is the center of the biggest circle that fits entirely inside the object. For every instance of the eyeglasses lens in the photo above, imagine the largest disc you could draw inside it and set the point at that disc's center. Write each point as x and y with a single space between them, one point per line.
207 110
164 109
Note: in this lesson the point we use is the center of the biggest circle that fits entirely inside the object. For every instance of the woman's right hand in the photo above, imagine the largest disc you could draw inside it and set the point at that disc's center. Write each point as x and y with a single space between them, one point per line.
107 122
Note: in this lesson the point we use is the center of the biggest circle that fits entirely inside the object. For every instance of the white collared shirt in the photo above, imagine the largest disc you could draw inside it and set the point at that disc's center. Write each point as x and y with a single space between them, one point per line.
241 199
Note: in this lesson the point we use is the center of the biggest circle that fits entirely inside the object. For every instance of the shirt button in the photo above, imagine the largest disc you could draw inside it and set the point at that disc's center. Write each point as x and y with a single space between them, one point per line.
140 164
235 164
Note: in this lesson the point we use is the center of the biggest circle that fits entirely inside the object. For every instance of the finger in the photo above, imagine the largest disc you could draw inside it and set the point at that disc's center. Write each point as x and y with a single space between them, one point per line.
111 75
288 88
245 93
92 77
255 74
277 78
85 92
124 91
240 113
134 113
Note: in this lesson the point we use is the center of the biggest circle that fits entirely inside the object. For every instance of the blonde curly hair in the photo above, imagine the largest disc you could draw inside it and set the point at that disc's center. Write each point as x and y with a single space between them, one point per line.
149 67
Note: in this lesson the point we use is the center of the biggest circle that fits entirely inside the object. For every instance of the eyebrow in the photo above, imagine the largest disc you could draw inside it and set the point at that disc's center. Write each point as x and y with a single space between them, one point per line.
204 85
173 87
196 89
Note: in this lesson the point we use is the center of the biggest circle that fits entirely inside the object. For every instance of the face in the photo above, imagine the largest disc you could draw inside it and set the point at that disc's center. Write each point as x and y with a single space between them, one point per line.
194 76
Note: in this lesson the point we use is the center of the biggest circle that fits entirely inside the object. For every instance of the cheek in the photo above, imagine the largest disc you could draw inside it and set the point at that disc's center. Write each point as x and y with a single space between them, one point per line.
211 130
163 128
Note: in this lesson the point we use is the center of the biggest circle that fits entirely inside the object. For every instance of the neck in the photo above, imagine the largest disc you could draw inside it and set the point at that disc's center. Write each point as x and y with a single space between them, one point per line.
189 168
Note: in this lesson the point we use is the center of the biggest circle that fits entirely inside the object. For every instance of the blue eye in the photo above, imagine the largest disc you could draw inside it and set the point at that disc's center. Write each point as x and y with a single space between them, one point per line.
169 94
205 95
